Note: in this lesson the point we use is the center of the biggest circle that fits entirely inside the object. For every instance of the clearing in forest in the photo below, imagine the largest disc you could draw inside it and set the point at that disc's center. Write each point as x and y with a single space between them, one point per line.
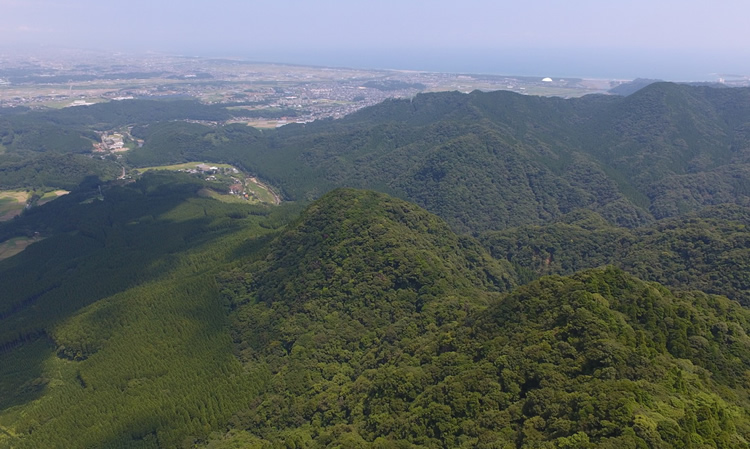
12 204
49 196
239 186
11 247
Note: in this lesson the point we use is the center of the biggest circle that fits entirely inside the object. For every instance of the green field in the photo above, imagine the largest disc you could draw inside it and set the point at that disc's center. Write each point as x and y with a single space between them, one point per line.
11 204
185 166
49 196
224 198
264 124
257 191
262 192
10 248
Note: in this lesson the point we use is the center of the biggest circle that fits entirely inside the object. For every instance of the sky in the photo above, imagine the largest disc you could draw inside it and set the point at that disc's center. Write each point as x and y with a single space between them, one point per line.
669 39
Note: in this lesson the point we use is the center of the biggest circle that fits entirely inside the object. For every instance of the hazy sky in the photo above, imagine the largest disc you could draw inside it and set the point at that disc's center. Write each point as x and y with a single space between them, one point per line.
642 36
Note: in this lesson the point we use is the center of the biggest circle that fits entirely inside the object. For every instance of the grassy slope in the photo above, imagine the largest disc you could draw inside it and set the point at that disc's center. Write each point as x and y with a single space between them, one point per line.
12 203
260 193
11 247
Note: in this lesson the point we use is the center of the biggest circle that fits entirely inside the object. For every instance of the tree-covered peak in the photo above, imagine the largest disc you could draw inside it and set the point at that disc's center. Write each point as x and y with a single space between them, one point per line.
596 360
665 368
607 303
353 238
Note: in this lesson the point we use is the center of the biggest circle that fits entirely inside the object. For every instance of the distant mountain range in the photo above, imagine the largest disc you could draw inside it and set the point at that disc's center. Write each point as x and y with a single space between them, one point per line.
482 161
491 160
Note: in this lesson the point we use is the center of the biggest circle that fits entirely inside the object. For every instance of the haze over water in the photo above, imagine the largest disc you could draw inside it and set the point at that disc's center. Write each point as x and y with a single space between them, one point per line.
571 63
676 40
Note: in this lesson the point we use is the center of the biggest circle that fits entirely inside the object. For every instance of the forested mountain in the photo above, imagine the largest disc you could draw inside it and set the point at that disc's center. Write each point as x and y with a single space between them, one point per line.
113 330
707 250
52 149
483 161
366 322
632 87
489 160
55 171
533 273
377 336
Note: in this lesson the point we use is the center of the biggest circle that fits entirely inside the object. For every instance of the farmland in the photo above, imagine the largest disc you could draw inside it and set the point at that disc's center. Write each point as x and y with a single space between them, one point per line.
239 186
12 203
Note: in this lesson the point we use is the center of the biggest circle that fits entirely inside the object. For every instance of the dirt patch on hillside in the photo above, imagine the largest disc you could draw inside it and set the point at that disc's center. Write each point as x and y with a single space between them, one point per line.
12 204
51 196
10 248
8 215
21 197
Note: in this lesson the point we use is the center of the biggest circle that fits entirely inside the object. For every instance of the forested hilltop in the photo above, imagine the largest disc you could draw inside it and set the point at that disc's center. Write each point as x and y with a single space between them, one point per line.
519 272
382 329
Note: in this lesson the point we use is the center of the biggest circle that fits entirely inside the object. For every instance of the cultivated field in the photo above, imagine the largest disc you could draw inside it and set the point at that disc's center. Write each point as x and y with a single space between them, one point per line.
10 248
261 191
12 204
185 166
49 196
254 190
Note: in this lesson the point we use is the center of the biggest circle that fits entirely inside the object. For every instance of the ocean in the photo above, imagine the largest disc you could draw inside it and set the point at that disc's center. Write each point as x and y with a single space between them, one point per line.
669 65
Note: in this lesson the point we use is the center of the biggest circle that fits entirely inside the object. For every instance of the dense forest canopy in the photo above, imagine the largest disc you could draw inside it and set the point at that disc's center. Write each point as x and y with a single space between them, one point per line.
484 270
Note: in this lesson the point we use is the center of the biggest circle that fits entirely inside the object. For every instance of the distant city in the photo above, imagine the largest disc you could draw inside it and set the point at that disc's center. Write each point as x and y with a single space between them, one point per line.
272 94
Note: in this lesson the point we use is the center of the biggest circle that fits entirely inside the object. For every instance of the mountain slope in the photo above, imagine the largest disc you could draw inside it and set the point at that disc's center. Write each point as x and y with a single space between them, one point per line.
150 316
708 250
112 329
380 330
482 161
366 323
490 160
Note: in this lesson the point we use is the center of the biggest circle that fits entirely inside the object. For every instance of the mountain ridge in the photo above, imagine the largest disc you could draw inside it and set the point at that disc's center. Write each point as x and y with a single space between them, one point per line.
511 369
660 152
